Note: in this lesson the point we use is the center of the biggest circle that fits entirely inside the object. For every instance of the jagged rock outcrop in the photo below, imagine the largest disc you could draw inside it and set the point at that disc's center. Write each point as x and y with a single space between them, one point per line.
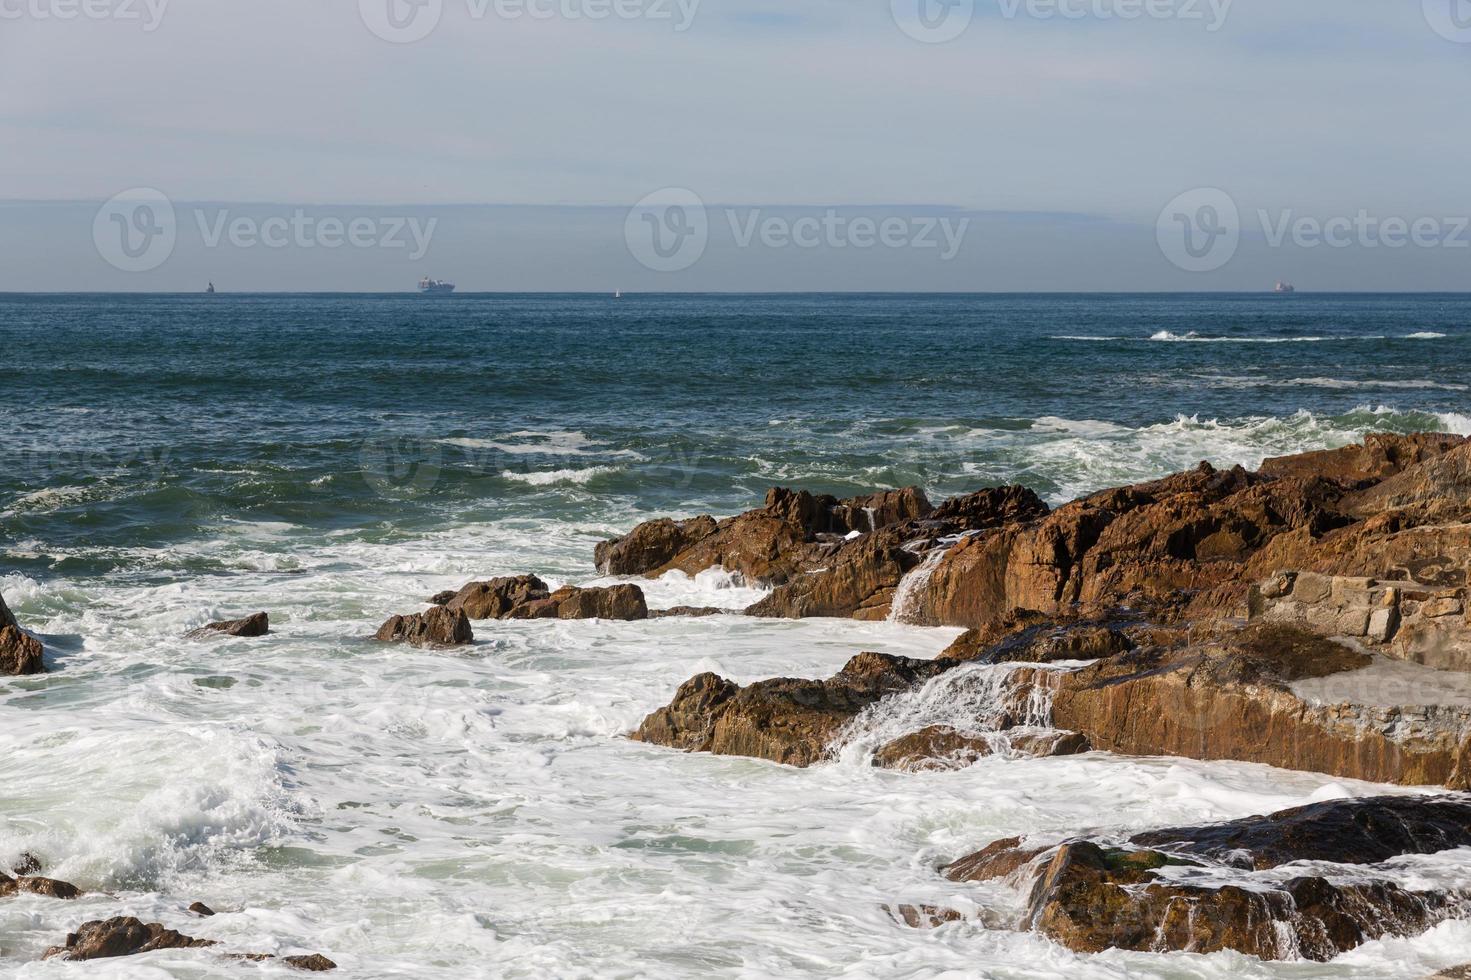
128 936
793 532
437 627
121 936
785 720
20 653
528 597
1091 897
258 624
861 578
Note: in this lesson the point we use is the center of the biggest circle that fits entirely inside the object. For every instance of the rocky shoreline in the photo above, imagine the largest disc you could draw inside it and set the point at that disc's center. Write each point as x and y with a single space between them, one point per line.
1212 615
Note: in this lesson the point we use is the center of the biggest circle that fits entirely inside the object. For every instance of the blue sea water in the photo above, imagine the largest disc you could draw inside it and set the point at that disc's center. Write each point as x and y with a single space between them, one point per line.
334 459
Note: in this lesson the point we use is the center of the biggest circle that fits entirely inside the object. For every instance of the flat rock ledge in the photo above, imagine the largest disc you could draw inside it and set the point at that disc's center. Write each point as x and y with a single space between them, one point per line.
1211 888
528 597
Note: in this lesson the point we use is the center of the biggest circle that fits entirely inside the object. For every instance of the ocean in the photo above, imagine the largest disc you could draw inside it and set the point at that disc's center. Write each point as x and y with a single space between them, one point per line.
332 460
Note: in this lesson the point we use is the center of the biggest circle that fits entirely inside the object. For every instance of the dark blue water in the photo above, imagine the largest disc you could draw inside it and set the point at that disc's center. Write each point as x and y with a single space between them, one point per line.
137 421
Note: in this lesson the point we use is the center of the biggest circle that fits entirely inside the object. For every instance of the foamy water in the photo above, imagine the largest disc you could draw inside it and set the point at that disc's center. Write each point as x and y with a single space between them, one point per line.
479 812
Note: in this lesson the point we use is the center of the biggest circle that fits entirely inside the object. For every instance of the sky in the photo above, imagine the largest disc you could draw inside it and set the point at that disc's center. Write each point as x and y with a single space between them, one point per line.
1071 138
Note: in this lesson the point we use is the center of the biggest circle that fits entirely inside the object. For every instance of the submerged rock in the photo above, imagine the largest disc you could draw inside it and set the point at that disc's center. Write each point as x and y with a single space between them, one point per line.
201 910
691 612
438 627
121 936
1091 897
20 653
128 936
258 624
940 747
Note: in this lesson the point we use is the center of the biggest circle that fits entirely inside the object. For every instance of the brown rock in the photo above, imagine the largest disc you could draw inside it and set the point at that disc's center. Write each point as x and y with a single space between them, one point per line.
923 916
935 748
202 910
256 625
651 545
48 887
694 612
121 936
20 653
6 617
438 627
618 602
497 598
27 864
1091 898
313 962
1000 859
784 720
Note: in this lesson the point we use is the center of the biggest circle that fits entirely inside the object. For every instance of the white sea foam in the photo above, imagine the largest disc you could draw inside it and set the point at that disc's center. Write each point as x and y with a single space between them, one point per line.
546 478
441 814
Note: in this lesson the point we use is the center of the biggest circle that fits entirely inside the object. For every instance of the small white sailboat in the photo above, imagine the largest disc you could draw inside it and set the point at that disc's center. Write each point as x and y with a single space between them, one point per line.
617 294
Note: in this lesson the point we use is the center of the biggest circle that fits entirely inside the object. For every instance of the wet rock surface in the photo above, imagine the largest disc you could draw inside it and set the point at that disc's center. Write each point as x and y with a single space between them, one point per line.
528 597
258 624
20 653
1201 888
121 936
438 627
6 617
784 720
30 884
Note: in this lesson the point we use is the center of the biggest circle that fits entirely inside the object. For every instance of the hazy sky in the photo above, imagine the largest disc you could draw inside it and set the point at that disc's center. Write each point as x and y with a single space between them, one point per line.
1323 108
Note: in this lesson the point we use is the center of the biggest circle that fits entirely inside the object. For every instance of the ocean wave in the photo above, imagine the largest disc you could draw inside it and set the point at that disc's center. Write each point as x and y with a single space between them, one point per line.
1424 335
1338 384
546 478
1192 337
